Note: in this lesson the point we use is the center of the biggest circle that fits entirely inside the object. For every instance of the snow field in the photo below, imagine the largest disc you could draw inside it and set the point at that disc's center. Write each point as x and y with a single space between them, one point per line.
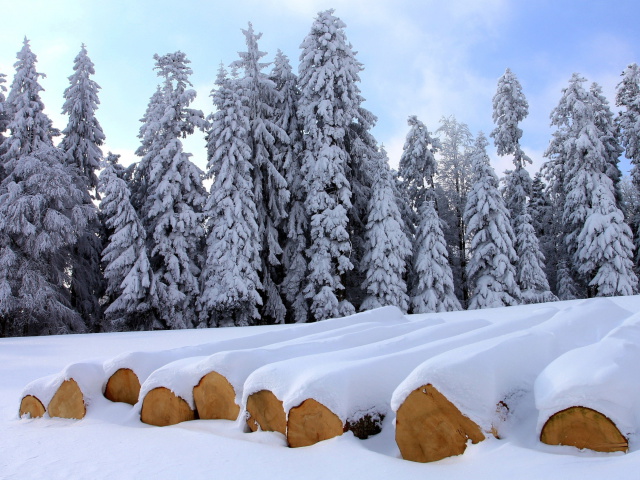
546 356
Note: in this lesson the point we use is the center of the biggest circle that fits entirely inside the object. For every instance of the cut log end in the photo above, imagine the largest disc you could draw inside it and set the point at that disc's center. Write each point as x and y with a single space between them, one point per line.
215 398
583 427
429 427
32 407
266 412
161 407
123 386
68 401
310 423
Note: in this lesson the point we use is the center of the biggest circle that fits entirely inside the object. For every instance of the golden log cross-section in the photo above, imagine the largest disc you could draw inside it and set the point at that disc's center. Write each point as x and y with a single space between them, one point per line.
32 407
123 386
583 427
215 398
161 407
429 427
68 401
311 422
266 412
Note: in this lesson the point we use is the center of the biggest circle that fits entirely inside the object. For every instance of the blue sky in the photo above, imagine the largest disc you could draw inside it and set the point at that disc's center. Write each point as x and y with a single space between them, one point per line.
420 57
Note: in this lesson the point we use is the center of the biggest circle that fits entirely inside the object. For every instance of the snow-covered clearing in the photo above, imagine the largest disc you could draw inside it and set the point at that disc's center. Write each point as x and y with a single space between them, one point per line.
111 442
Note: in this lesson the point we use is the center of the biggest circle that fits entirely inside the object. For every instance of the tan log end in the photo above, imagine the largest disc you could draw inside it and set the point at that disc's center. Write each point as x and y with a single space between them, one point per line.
215 398
32 407
162 407
429 427
266 412
123 386
310 423
68 401
583 427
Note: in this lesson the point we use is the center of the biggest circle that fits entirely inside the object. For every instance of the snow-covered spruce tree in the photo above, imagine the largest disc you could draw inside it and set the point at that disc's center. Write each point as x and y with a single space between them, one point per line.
4 114
148 130
532 280
172 208
628 97
330 113
454 181
610 138
230 278
491 268
131 286
41 213
542 215
271 195
606 246
386 245
80 146
296 226
581 147
510 107
433 290
418 163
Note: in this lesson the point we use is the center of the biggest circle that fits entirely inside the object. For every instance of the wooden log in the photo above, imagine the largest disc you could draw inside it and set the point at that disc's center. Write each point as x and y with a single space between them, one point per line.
266 412
310 423
429 427
583 427
68 401
32 407
123 386
161 407
215 398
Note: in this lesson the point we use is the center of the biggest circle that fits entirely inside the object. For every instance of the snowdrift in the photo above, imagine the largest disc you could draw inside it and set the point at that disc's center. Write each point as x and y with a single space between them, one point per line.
568 369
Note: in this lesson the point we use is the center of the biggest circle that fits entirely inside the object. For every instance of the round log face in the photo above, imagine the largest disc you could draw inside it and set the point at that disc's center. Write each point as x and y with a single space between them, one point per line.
161 407
68 401
583 427
215 398
32 407
123 386
429 427
266 412
310 423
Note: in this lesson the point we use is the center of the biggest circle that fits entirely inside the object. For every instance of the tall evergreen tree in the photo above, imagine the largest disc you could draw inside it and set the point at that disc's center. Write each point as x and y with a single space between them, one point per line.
628 97
271 195
433 290
541 211
581 146
41 211
230 279
418 163
80 146
4 114
131 286
387 247
329 106
296 227
491 268
172 208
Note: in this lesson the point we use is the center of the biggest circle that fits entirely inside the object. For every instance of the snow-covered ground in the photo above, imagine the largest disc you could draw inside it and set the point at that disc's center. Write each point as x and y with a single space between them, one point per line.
111 442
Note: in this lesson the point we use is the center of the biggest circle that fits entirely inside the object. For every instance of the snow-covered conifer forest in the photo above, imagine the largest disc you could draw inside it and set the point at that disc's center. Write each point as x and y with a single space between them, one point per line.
305 219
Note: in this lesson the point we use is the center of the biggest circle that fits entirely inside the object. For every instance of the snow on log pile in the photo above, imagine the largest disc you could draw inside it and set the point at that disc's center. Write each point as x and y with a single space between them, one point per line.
212 386
322 396
120 378
466 393
590 396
